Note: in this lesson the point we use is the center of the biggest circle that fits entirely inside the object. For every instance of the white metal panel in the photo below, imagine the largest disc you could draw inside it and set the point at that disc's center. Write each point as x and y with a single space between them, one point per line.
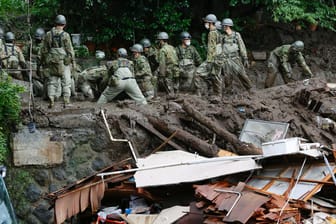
181 167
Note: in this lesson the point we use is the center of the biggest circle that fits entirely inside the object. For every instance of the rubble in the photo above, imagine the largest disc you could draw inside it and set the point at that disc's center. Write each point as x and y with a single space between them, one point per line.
274 176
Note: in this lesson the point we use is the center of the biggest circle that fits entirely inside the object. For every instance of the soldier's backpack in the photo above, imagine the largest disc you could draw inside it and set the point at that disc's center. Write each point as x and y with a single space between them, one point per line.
13 61
56 55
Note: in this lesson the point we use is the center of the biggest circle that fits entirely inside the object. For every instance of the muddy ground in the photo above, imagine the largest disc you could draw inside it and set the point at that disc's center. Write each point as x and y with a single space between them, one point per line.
294 103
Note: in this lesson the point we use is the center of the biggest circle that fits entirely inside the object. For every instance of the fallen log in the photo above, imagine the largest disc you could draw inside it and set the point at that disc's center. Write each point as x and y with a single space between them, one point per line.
202 147
240 147
159 135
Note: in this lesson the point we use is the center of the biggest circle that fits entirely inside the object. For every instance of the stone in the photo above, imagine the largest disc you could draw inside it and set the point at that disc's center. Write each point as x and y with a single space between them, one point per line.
33 193
43 214
98 164
35 148
41 177
59 173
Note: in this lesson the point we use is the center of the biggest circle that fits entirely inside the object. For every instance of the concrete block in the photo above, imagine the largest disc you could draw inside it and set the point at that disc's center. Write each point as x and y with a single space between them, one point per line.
259 55
35 148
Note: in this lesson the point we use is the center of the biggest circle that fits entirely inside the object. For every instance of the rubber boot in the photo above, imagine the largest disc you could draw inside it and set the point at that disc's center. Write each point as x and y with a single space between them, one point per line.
51 102
66 102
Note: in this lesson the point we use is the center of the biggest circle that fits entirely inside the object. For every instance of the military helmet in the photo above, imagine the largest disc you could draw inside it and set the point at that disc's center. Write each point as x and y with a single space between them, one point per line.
39 33
162 36
298 46
60 20
137 48
210 18
122 52
185 35
1 33
227 22
218 25
9 37
145 42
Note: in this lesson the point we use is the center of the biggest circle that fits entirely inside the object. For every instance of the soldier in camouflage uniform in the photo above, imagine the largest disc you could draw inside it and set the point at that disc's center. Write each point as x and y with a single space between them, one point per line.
152 54
58 54
168 66
207 67
90 80
142 71
121 78
280 61
233 59
13 58
189 59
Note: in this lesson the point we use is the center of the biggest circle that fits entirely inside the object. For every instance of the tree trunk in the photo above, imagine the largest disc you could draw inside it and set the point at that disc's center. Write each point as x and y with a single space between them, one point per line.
240 147
202 147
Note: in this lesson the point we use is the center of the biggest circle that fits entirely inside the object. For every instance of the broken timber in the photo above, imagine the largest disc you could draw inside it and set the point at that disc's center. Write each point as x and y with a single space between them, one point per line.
241 147
159 135
197 144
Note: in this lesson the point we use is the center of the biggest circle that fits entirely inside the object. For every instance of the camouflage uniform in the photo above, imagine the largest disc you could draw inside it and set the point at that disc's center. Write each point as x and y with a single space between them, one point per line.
152 56
168 69
143 76
121 78
8 50
90 80
207 67
280 60
229 62
58 39
189 59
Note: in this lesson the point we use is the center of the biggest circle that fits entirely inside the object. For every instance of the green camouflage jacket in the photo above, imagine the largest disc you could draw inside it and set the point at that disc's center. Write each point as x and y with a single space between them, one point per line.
167 55
152 56
56 38
141 67
285 56
214 38
189 52
119 63
233 45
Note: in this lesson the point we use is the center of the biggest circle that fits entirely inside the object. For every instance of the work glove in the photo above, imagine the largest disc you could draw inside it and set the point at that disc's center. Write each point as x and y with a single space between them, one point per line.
246 63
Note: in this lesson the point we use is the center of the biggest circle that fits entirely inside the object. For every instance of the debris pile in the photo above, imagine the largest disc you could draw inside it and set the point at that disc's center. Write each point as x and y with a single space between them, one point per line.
262 158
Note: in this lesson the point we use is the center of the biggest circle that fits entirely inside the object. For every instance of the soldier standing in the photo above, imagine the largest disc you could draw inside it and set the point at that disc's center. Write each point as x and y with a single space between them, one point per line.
189 59
168 66
280 61
207 67
142 71
58 55
13 57
233 58
121 78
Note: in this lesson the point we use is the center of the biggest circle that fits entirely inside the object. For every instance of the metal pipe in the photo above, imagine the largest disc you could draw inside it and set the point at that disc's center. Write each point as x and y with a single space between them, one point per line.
231 192
118 140
329 168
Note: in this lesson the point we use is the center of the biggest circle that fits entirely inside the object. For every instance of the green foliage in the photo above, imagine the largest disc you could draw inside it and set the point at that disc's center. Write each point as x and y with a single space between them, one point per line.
311 12
81 51
10 9
9 102
9 111
3 147
18 181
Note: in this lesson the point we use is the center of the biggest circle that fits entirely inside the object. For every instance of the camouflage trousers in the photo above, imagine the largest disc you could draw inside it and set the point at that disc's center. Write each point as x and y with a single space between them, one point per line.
171 82
207 71
187 73
131 88
274 68
231 68
53 84
146 86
